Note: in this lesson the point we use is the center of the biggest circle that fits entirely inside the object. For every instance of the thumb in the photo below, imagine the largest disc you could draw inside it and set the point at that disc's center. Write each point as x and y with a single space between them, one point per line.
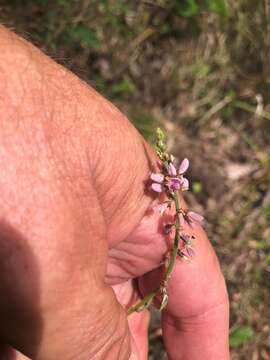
197 315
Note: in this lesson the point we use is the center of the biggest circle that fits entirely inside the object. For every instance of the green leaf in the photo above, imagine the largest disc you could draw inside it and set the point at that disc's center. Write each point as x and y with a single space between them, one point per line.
240 335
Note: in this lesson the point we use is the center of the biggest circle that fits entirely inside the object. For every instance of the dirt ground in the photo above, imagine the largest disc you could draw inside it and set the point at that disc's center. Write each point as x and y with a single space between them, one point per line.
203 73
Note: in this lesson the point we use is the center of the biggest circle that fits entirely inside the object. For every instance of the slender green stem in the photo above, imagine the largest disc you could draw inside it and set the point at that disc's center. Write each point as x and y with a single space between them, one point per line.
148 299
251 109
144 303
173 253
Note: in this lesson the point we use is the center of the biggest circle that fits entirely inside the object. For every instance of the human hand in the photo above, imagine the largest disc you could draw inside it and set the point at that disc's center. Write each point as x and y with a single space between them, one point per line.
75 212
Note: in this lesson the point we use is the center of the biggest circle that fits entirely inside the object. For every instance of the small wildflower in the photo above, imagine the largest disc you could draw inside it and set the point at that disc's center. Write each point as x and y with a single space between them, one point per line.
181 253
181 220
190 218
163 207
195 216
173 180
169 181
186 253
187 239
190 251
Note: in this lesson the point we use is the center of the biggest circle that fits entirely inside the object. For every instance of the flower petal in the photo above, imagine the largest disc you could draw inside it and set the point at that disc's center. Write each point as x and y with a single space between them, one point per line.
183 166
159 178
174 184
182 220
186 238
190 251
172 170
184 184
162 208
183 254
157 187
195 216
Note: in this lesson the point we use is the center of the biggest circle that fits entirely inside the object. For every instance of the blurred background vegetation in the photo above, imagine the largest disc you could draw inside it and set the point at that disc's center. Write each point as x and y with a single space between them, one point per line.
201 69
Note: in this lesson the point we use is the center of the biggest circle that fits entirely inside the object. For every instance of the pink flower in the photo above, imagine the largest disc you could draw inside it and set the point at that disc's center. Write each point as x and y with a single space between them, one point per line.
193 216
182 220
176 180
189 218
161 208
187 238
173 181
187 252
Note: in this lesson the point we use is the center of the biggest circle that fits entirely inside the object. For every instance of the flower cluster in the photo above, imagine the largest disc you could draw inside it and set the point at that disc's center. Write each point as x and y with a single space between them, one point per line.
173 179
169 182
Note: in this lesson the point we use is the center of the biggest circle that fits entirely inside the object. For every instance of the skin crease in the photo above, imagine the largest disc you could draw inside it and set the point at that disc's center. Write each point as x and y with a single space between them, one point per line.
73 179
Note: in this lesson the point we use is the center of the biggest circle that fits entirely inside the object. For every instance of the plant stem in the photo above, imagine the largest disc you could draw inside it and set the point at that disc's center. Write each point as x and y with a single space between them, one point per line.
147 300
144 303
173 253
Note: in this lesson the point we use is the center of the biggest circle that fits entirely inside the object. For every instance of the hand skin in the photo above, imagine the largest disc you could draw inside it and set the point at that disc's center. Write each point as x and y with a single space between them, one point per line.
76 228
